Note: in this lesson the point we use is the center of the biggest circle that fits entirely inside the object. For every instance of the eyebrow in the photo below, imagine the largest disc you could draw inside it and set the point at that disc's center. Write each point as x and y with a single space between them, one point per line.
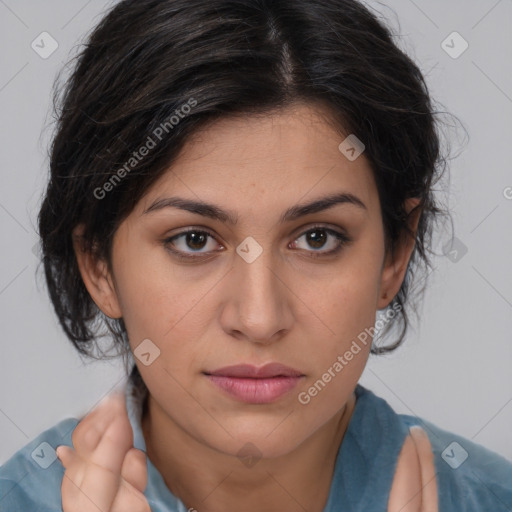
214 212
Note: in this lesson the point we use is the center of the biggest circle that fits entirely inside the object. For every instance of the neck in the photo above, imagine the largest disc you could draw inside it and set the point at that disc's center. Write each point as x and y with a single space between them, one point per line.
210 481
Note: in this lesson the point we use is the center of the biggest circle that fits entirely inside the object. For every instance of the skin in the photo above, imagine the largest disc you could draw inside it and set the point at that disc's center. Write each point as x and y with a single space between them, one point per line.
285 306
104 471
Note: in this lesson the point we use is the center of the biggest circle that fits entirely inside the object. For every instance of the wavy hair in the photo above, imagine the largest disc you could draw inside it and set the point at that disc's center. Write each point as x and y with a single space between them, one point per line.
146 59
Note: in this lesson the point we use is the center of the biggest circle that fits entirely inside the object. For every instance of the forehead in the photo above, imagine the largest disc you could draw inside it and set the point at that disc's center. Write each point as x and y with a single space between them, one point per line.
289 156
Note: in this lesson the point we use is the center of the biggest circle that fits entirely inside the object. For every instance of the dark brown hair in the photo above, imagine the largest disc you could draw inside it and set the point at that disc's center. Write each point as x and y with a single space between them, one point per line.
148 59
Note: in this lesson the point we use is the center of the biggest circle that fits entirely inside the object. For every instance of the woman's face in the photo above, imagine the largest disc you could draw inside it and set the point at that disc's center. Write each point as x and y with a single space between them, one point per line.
261 290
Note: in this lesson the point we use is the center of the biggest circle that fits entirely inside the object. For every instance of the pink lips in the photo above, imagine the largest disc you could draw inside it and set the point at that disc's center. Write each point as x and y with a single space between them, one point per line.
254 385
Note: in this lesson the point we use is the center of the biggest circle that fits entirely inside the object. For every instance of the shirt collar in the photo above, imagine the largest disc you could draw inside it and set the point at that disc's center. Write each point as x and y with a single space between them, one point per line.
157 493
134 402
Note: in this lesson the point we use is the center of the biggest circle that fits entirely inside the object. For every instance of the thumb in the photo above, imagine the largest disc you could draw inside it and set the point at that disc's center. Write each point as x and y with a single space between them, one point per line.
66 455
134 469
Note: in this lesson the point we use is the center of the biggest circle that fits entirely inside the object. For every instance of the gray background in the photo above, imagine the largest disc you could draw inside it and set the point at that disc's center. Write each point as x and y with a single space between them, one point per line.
454 368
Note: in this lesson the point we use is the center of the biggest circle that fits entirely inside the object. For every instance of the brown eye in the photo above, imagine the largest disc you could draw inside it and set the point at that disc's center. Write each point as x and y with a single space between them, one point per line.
195 239
316 238
319 237
186 243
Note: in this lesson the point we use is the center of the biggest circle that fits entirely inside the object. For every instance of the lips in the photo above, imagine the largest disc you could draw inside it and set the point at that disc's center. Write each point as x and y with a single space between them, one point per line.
252 372
252 385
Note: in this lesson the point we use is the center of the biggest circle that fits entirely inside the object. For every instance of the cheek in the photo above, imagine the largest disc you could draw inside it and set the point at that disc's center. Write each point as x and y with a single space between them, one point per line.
158 299
161 305
348 300
339 355
342 315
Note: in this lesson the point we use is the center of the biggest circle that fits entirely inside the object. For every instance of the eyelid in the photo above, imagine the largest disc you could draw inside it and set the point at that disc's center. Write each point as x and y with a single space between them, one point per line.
338 232
192 229
301 230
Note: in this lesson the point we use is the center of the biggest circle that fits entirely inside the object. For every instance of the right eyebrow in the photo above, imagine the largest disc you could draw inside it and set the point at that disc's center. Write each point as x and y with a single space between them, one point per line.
215 212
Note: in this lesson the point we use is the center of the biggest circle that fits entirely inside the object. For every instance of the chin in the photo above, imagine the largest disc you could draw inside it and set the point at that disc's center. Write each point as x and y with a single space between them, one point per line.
266 443
251 451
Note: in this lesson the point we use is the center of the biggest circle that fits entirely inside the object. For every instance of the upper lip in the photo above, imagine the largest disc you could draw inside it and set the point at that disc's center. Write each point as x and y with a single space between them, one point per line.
250 371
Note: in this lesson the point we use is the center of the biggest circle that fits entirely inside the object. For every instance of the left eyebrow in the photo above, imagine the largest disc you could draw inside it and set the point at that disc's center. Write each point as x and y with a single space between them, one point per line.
215 212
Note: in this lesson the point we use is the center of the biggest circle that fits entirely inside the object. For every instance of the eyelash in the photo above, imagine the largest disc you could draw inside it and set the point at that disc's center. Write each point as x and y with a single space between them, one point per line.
341 237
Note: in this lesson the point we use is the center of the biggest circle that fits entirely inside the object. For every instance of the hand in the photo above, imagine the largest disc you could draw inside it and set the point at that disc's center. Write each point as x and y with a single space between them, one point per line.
104 472
414 487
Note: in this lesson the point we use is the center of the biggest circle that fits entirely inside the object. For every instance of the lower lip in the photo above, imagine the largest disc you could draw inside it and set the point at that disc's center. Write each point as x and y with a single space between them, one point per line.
255 391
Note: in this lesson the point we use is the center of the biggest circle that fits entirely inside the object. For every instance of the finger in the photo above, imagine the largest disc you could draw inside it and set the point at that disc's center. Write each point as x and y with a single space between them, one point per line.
129 499
134 469
95 494
87 434
67 456
428 471
116 440
102 477
73 498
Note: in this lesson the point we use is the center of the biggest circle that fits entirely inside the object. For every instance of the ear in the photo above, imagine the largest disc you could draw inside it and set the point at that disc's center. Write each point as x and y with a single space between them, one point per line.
96 277
395 264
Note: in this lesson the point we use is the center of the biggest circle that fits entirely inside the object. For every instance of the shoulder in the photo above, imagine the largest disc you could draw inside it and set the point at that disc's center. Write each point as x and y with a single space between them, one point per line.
464 475
31 479
466 472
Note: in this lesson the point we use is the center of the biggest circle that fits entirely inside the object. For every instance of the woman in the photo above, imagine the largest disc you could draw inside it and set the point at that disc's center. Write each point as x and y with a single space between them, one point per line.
237 188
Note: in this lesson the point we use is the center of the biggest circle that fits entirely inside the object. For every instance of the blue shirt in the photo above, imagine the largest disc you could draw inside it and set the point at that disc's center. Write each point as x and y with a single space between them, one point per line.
470 478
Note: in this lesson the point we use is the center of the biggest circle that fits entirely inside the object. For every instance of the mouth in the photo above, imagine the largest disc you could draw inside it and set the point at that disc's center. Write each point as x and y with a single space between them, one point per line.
249 384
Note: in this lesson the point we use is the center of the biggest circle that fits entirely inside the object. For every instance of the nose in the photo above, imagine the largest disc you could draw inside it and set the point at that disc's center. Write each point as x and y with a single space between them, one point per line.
259 301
